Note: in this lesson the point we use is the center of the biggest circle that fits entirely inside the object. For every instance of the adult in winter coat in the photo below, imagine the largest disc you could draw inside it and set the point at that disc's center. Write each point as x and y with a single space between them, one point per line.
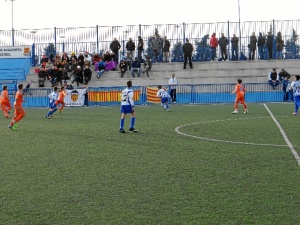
252 46
279 46
213 42
114 47
187 49
223 42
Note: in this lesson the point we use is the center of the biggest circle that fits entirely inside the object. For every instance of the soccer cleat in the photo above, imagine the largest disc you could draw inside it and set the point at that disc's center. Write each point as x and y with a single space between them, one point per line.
59 111
47 117
295 114
168 110
15 126
133 130
12 127
246 111
122 131
165 107
6 116
235 112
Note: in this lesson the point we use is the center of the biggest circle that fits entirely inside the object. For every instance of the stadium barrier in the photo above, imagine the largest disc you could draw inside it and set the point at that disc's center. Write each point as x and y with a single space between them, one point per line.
146 95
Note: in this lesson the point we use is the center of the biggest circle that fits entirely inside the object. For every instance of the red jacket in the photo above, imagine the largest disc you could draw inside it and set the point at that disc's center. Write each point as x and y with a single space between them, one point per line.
213 41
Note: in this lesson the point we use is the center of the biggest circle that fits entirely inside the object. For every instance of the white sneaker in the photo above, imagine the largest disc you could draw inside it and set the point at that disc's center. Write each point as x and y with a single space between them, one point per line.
246 111
235 112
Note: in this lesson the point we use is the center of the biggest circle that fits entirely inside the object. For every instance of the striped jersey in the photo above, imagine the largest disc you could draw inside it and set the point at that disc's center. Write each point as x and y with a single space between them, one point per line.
296 87
127 97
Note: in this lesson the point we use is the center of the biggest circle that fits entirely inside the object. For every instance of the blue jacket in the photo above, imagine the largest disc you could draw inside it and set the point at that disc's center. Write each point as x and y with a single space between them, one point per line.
136 64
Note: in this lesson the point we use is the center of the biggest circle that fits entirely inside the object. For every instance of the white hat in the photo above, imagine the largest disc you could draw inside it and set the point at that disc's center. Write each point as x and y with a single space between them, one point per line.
78 67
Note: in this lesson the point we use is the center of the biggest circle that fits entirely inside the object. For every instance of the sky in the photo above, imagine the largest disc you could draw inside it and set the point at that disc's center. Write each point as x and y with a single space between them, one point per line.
38 14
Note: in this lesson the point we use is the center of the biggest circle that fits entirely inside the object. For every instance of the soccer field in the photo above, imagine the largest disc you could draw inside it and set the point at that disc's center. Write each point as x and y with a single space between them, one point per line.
196 164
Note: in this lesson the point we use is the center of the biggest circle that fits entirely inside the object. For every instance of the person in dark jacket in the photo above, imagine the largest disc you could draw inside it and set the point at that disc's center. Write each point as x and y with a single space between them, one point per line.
283 74
260 45
135 67
123 67
114 47
140 48
234 47
87 74
279 46
130 47
273 79
223 42
187 49
253 41
270 45
166 49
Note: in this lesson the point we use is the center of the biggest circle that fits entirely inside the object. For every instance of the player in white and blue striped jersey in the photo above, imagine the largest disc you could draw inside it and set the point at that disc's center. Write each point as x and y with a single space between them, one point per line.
164 96
53 97
295 86
127 106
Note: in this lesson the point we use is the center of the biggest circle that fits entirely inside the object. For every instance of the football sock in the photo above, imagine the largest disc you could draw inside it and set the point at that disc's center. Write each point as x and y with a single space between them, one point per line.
132 121
122 123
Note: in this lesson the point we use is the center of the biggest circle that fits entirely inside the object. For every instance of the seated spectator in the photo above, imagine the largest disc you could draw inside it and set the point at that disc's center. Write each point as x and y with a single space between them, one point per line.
74 65
123 67
57 58
65 57
273 79
87 74
107 57
96 58
101 67
282 74
135 67
42 75
44 59
59 76
80 60
73 57
110 64
65 69
87 58
78 76
53 76
51 57
147 65
49 67
129 60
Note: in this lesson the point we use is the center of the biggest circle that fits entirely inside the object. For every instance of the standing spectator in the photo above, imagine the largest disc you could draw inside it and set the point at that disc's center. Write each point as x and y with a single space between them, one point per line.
260 45
283 74
240 91
223 42
234 48
295 86
87 74
273 79
166 49
156 47
135 67
187 49
253 41
213 42
101 68
127 106
86 96
123 67
173 83
130 47
129 60
279 46
19 110
115 47
147 65
140 48
270 45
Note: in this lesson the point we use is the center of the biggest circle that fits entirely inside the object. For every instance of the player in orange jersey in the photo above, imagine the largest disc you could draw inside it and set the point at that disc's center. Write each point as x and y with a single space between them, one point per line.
240 96
4 101
19 110
60 99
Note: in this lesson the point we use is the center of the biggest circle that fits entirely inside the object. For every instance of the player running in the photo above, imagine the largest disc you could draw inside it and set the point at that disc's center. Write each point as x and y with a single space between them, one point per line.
240 96
60 99
164 96
53 97
4 101
295 86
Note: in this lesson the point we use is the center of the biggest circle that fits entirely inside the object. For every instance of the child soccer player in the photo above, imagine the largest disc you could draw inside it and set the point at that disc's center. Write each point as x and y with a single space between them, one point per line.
240 96
164 96
295 86
60 99
19 110
127 106
53 97
4 101
286 88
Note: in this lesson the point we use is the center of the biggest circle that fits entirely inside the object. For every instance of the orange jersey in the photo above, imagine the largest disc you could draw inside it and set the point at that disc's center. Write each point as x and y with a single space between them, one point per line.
4 96
239 90
61 96
19 99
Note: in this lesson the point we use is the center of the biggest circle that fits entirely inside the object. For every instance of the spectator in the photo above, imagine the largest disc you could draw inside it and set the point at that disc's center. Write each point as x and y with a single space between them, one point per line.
101 68
87 59
147 65
213 42
234 48
78 76
140 48
57 58
73 57
59 76
123 67
287 93
129 60
223 42
87 74
44 59
74 65
95 60
279 46
136 66
282 74
187 49
80 60
253 41
53 76
172 86
130 47
49 67
110 64
65 68
166 49
273 79
86 96
270 45
156 47
260 45
42 75
107 57
65 57
114 47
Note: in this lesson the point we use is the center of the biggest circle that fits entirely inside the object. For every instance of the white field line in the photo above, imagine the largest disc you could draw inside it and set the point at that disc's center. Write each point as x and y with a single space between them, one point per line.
294 152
